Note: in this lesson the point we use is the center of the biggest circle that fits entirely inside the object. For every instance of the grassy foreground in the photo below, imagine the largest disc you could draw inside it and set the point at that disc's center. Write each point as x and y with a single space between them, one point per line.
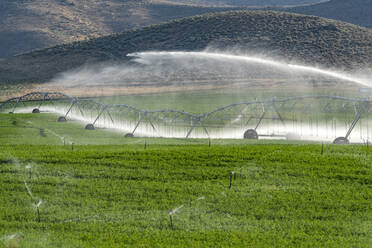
177 194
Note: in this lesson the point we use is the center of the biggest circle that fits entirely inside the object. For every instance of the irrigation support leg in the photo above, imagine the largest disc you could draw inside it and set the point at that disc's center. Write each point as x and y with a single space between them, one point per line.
260 120
138 123
69 109
109 114
99 115
15 106
79 107
353 124
190 131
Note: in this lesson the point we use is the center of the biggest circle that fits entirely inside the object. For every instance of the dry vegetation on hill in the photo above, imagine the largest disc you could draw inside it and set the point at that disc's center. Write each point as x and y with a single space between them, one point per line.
26 24
302 38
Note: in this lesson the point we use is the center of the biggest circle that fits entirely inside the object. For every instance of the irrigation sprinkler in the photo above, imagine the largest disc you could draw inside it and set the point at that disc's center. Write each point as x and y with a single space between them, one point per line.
232 174
171 221
38 210
35 111
322 149
72 146
173 212
313 117
32 197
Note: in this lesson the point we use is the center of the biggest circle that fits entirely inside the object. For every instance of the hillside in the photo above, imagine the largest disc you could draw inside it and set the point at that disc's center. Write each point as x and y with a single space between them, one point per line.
358 12
27 25
307 39
245 3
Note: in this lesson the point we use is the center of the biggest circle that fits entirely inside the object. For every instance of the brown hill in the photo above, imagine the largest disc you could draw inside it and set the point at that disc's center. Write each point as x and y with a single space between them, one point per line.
31 24
307 39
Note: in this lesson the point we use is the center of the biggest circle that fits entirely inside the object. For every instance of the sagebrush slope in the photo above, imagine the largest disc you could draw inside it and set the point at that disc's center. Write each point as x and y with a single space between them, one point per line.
302 38
26 25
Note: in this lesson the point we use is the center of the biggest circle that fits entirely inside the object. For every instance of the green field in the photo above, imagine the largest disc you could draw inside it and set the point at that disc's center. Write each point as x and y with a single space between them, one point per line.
108 191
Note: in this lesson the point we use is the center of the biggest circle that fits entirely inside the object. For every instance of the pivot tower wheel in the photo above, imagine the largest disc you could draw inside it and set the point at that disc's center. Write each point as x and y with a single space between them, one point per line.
89 127
35 111
250 134
62 119
128 135
341 141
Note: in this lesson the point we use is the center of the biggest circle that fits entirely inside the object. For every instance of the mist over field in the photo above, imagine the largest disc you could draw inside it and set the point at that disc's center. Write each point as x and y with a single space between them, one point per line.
206 67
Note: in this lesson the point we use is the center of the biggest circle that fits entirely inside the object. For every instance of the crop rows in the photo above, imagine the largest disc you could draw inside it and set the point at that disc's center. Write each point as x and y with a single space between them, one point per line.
110 196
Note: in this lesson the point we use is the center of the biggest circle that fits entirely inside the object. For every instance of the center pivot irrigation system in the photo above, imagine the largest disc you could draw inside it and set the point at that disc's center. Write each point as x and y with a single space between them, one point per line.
317 117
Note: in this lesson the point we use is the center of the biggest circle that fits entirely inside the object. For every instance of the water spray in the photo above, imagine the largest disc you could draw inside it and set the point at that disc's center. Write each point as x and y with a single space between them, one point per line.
201 198
173 212
150 57
231 121
43 134
32 197
10 241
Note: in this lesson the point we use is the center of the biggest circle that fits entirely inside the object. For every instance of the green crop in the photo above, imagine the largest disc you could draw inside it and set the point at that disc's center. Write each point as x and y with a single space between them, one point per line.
126 194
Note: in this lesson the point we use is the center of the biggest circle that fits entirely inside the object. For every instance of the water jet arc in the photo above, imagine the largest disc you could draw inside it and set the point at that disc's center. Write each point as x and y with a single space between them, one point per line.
146 58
